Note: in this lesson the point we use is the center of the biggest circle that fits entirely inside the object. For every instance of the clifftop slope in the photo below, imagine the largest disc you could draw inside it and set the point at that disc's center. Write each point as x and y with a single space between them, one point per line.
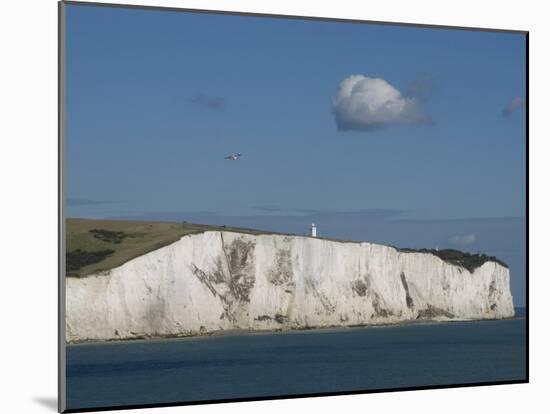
98 245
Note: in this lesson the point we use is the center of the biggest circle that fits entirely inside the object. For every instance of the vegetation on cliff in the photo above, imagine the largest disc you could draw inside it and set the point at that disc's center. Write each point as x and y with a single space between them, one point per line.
94 246
98 245
456 257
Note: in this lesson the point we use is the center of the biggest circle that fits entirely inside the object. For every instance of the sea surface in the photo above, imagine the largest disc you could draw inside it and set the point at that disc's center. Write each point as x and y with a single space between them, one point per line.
296 362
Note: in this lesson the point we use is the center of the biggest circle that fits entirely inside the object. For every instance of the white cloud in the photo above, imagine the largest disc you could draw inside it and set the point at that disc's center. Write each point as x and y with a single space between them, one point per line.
463 239
365 104
516 103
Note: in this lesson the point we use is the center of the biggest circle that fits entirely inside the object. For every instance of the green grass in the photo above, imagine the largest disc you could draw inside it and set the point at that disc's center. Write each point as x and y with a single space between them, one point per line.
77 259
110 236
99 245
456 257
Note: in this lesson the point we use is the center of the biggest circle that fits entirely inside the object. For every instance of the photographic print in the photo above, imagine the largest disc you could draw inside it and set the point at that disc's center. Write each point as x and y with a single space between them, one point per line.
258 207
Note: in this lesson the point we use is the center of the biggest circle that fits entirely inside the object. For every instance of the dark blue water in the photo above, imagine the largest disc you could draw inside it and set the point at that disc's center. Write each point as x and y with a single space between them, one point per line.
316 361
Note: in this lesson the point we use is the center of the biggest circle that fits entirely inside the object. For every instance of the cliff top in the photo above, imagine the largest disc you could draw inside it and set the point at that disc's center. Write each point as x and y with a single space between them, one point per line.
467 260
98 245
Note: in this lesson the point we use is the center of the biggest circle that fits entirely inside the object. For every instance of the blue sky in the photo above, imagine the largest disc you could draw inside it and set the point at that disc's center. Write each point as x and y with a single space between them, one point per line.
157 99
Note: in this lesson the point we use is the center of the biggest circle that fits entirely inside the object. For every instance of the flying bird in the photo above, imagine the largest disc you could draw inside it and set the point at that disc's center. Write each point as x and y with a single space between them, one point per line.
233 157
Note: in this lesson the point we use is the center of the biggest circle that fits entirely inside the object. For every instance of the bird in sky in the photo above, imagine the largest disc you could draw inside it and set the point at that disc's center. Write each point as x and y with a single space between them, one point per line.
233 157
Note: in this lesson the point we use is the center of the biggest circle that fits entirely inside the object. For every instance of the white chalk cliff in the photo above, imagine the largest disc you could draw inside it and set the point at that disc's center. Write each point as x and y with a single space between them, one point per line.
225 280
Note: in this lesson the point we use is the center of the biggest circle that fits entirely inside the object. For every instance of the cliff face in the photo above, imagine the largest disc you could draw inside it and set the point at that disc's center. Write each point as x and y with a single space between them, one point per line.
223 280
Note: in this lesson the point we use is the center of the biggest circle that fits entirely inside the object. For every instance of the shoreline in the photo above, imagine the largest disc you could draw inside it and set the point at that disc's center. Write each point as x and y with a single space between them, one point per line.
254 332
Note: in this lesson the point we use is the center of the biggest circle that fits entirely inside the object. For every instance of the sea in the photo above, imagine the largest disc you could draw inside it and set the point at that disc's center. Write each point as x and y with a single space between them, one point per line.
262 365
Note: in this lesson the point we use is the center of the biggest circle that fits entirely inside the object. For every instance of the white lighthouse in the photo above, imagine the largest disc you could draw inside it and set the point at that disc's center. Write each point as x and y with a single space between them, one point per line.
313 230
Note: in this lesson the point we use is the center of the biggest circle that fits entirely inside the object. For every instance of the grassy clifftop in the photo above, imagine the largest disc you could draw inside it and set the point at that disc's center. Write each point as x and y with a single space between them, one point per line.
458 258
98 245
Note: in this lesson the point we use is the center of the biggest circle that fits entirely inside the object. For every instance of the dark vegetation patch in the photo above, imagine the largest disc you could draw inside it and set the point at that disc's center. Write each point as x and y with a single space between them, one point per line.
408 298
493 293
205 278
492 287
281 273
240 254
311 287
109 236
77 259
456 257
359 287
280 318
433 312
240 258
379 310
212 278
